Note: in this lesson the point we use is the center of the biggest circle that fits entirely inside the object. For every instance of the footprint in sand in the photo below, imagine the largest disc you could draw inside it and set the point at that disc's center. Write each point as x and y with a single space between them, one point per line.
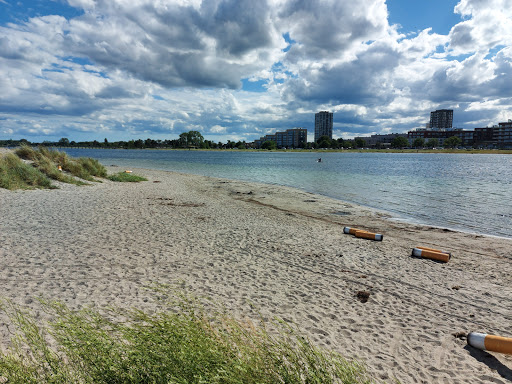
396 341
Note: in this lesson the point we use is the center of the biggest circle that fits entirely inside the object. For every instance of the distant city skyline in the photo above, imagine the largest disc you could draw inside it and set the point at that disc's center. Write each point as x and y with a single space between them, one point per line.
239 69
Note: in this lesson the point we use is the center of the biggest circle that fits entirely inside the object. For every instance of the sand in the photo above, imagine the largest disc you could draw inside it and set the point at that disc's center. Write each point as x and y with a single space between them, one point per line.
279 249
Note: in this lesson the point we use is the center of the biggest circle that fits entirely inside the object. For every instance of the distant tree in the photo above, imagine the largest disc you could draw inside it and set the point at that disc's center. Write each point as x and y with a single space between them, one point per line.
359 143
269 145
192 138
432 143
64 142
348 144
324 142
452 142
399 142
419 142
150 143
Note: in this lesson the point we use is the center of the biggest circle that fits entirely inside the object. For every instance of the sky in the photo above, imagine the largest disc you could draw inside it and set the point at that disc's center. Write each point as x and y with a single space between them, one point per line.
241 69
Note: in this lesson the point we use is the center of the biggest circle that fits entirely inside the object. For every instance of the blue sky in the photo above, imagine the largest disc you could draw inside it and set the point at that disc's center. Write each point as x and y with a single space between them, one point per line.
417 15
239 69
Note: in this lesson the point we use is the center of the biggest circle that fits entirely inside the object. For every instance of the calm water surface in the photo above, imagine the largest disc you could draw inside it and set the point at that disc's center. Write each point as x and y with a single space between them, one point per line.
459 191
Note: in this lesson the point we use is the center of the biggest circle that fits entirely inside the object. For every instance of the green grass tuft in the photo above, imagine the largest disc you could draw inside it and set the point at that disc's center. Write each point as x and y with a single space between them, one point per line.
185 345
126 177
15 174
48 160
93 166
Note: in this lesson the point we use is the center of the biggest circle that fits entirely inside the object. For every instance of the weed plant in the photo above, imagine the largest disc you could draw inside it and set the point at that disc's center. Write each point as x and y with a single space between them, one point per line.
15 174
126 177
185 345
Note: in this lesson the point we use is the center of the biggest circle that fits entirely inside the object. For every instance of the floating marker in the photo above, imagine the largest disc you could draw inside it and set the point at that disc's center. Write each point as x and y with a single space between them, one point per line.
434 255
490 342
369 235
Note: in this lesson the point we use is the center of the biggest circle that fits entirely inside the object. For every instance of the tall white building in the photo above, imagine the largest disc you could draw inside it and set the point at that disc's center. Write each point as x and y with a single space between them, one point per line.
323 124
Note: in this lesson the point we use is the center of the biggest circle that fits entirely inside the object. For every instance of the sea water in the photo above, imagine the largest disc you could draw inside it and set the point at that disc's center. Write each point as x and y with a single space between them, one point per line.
468 192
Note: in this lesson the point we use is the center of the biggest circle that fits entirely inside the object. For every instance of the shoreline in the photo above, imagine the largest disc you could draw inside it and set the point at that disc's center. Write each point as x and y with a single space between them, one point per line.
393 215
279 249
357 150
390 215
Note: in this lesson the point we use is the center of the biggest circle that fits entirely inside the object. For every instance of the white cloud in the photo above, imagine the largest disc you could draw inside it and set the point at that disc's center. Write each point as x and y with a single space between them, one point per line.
488 24
157 68
218 129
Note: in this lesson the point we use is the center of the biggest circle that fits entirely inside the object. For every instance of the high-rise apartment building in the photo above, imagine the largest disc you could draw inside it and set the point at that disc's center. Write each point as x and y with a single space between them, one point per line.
442 118
323 125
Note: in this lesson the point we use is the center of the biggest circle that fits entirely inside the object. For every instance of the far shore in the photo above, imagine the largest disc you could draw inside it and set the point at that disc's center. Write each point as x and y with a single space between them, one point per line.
298 150
266 251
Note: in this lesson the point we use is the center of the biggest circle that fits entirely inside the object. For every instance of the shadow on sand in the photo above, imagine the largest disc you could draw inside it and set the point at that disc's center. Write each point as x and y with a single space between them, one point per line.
490 361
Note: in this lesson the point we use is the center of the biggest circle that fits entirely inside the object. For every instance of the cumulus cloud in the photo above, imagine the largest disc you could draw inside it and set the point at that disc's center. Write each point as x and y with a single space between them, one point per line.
176 44
146 67
488 24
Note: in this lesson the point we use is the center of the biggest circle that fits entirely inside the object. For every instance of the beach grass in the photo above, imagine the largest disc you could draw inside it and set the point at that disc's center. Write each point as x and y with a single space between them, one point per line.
43 164
15 174
182 345
126 177
48 161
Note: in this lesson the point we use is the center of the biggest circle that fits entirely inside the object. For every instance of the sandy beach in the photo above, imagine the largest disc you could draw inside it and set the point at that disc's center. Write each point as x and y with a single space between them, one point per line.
279 249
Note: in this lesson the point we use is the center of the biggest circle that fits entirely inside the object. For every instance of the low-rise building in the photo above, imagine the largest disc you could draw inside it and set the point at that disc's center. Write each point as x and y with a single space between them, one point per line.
291 138
502 135
499 136
440 134
383 140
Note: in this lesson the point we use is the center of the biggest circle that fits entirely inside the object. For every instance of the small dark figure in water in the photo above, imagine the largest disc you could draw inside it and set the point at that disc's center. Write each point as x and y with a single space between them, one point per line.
319 160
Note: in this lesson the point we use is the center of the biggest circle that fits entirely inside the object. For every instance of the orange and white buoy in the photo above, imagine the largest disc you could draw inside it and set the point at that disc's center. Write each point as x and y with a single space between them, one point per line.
430 253
434 250
363 234
490 342
369 235
350 231
127 171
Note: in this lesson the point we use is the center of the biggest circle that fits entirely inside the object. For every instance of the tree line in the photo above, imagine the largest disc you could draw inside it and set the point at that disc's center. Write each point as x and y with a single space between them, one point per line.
194 139
191 139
